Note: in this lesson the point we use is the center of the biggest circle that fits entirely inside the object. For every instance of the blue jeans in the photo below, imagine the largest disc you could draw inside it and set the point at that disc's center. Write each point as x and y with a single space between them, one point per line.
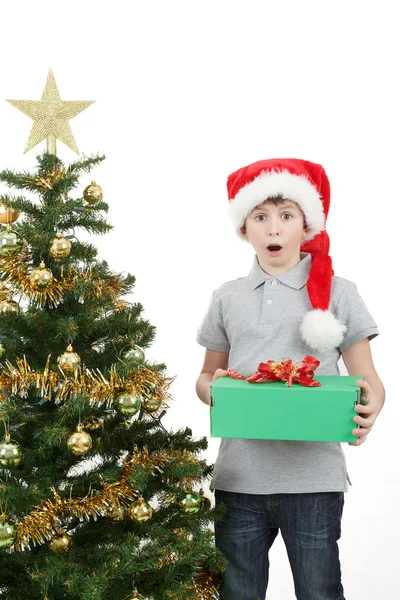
310 525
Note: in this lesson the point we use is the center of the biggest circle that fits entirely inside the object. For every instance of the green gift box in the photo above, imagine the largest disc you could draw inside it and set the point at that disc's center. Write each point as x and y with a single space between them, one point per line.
274 411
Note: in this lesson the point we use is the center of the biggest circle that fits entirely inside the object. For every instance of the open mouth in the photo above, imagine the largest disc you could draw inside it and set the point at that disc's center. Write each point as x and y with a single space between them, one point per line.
274 249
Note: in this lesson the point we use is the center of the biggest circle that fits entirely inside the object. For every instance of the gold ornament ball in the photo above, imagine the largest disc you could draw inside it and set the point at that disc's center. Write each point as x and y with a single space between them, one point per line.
191 503
79 442
92 423
8 215
128 405
10 453
93 193
10 242
8 532
116 512
69 360
60 247
151 403
9 306
41 277
140 511
60 543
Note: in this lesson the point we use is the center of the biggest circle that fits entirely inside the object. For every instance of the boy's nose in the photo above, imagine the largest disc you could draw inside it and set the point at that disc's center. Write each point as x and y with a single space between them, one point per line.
273 226
273 229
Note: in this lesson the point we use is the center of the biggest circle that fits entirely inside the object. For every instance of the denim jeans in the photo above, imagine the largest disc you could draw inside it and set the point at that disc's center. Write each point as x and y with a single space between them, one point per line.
310 526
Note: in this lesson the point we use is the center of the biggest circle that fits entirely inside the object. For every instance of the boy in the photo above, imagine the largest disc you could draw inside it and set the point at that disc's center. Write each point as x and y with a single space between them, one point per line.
289 305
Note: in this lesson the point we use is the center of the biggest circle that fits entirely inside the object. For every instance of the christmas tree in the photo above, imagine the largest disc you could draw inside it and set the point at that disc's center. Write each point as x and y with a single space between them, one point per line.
97 498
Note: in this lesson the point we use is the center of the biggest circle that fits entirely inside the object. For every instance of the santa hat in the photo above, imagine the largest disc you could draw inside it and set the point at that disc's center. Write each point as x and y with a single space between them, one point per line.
307 184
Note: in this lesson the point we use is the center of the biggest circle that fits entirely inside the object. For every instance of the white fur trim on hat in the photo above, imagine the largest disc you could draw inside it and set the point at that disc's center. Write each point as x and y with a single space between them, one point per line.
293 187
321 330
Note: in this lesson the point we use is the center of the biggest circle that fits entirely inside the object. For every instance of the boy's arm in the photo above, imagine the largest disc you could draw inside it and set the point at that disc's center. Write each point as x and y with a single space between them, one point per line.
358 361
215 365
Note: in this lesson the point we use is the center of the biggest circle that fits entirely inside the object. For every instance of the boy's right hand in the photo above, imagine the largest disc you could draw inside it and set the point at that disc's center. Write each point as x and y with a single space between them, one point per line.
219 373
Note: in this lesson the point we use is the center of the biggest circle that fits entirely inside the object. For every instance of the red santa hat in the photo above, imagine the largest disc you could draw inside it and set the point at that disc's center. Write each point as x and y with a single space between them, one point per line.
307 184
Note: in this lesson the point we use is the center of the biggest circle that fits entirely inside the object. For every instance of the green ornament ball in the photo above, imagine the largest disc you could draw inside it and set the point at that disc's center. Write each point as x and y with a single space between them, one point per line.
134 354
8 533
191 503
128 405
10 453
10 242
2 350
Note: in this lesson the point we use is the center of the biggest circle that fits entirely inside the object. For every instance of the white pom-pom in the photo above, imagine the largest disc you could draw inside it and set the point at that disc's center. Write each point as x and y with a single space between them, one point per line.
321 330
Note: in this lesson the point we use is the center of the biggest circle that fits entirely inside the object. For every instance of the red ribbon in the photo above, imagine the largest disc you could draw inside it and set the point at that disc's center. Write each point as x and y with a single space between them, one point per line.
286 370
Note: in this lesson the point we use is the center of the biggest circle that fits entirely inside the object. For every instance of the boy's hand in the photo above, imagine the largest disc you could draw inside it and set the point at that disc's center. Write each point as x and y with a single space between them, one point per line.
368 413
219 373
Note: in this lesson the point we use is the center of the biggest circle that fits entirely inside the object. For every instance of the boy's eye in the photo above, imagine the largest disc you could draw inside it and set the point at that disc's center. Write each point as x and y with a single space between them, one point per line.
260 217
287 215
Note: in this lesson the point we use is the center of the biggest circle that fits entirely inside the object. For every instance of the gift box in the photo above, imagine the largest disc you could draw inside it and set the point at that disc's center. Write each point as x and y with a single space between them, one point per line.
275 411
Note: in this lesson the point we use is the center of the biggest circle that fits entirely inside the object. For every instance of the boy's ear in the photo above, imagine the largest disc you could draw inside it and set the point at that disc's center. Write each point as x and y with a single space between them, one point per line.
243 230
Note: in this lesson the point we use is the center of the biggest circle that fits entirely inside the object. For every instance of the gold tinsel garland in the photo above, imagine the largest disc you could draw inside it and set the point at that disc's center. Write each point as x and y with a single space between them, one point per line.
57 385
41 524
44 520
16 269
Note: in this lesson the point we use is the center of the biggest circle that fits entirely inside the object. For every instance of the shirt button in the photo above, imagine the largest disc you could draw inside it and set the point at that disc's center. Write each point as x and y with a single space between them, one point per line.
274 283
269 302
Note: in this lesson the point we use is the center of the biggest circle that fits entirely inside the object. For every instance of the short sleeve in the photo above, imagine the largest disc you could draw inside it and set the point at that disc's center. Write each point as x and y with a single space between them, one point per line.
352 312
211 333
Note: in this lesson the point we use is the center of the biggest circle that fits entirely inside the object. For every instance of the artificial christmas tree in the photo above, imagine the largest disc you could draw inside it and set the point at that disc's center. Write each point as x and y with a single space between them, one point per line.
97 498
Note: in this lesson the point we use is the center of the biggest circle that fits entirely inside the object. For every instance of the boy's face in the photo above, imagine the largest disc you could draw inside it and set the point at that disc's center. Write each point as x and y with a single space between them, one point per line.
276 231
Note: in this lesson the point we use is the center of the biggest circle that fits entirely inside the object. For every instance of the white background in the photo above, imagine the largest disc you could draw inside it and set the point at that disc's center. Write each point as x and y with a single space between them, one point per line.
188 92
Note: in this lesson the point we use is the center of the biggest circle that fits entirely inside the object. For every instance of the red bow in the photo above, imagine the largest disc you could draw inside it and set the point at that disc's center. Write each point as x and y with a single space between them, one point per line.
286 370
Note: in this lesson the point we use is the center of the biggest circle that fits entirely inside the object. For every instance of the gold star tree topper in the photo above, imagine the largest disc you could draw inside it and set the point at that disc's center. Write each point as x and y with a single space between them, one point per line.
50 117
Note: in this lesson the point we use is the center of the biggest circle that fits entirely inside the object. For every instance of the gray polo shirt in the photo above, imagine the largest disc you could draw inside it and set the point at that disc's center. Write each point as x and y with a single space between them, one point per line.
257 318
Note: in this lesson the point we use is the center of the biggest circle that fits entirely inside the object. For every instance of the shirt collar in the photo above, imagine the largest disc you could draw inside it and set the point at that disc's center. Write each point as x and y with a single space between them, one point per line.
295 278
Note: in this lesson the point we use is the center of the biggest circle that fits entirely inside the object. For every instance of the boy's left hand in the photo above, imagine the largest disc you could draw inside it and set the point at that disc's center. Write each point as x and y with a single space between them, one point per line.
368 413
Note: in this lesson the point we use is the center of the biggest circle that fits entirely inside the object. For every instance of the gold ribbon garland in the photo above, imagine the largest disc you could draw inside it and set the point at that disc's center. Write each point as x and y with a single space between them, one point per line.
44 520
16 269
58 386
42 523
